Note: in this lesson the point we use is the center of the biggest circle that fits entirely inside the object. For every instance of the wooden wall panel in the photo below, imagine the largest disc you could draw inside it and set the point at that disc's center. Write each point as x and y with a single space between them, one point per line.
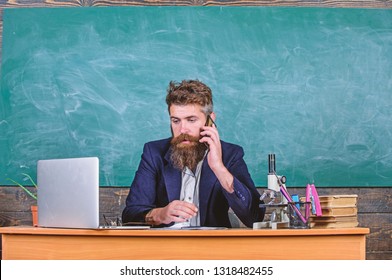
374 211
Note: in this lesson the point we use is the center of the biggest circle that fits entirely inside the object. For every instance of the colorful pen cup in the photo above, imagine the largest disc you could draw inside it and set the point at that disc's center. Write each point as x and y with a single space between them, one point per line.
298 213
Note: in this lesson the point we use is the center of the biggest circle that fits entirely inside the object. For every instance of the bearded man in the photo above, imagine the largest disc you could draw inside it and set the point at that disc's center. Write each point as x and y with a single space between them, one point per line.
193 178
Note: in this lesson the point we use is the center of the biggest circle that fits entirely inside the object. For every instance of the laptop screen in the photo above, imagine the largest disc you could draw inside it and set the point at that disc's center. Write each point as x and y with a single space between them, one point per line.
68 192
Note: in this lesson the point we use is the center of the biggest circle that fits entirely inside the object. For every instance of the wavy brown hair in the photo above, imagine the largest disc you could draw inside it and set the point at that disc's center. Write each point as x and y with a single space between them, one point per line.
190 92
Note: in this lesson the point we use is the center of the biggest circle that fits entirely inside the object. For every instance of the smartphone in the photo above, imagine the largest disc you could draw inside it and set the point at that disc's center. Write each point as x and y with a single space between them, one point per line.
209 121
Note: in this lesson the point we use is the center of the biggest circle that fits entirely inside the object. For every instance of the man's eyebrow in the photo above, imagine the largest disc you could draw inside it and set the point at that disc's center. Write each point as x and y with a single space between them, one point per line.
187 117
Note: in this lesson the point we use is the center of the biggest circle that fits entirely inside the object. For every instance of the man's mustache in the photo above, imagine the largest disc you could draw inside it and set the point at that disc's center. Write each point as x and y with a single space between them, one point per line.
184 137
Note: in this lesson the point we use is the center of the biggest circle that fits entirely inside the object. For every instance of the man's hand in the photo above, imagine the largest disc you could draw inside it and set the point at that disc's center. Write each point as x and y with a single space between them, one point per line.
176 211
210 136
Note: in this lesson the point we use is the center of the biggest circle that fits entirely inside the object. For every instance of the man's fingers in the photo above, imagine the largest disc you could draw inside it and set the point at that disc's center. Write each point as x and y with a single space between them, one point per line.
183 209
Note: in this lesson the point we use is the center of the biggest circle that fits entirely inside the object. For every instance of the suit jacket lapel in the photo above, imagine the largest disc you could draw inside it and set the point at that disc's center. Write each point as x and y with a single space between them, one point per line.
172 178
207 182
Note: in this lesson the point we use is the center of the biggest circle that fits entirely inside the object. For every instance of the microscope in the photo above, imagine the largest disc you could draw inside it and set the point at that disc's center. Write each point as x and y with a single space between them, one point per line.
274 202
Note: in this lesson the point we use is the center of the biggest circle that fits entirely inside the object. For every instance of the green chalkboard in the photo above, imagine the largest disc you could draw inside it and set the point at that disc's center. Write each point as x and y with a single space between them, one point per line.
312 85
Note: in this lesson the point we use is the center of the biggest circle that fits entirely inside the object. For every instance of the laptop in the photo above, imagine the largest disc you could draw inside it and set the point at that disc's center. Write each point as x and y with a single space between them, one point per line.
68 194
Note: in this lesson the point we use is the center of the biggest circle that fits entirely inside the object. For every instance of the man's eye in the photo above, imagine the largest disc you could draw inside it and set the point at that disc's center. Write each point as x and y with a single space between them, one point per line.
192 120
175 121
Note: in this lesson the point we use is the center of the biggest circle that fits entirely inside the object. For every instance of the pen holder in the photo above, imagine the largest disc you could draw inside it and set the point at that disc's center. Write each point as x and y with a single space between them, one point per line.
299 213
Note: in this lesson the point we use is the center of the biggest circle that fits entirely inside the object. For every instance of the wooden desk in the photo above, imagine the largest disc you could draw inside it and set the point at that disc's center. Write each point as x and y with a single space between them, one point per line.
242 244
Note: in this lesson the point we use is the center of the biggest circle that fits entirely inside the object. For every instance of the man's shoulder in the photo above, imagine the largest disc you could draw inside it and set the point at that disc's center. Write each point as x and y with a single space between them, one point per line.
159 142
230 146
158 146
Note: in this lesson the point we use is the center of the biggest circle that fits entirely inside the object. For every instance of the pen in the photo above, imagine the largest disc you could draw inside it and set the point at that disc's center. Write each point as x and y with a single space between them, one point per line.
288 197
307 199
295 198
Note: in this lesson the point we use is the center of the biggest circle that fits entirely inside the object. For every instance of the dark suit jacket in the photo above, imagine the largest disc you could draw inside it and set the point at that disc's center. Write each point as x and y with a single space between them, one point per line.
157 183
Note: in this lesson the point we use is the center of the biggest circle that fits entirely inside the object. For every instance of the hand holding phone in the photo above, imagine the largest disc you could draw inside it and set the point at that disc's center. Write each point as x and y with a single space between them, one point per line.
209 122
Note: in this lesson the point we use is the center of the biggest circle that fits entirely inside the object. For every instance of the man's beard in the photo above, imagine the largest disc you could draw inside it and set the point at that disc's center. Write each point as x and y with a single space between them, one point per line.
189 154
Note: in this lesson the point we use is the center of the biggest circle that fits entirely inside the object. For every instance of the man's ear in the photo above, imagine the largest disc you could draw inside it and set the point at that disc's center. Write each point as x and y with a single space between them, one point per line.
213 116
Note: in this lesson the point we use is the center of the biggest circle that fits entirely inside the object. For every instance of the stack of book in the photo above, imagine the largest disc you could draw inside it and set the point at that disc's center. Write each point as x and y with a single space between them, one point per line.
339 211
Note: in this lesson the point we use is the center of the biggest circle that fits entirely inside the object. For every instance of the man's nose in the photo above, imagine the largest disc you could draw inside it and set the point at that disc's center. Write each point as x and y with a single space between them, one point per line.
184 128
